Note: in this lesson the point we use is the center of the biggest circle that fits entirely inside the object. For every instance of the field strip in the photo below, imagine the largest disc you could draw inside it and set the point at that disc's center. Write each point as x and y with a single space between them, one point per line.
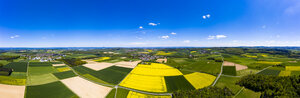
263 69
216 80
143 92
239 92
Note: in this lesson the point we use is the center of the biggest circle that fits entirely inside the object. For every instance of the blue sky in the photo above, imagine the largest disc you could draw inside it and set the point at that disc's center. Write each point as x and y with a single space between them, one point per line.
149 23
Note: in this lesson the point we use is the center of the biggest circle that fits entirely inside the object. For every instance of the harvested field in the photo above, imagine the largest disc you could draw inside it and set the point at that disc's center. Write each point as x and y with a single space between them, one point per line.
86 89
58 64
162 60
11 91
200 80
127 64
98 66
237 66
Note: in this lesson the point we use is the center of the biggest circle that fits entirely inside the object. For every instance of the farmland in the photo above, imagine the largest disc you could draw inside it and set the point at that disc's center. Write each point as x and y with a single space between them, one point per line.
130 74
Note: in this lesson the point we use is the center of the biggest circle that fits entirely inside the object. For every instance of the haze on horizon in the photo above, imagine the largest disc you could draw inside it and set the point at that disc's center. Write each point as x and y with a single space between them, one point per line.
151 23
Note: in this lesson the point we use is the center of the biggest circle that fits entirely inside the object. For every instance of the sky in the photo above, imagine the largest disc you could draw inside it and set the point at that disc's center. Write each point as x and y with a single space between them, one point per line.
149 23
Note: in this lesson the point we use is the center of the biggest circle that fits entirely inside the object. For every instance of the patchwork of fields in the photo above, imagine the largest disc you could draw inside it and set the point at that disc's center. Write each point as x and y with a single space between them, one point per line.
49 80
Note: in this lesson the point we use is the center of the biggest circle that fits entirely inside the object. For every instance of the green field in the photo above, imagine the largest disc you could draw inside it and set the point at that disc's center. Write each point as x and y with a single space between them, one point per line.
270 72
175 83
18 75
92 78
229 82
41 70
198 64
111 74
50 90
246 72
246 93
121 93
17 66
64 75
40 64
229 70
41 79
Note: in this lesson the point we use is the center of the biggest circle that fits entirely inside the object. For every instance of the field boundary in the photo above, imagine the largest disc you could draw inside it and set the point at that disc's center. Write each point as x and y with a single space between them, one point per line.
263 69
239 92
216 80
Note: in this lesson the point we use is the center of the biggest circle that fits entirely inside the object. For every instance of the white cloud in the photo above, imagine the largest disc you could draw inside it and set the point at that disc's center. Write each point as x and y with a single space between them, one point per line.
204 17
153 24
208 15
141 27
186 41
165 37
217 37
173 33
220 36
15 36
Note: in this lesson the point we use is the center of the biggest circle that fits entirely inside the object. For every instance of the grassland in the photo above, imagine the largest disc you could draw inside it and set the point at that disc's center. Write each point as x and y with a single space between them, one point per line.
246 72
64 75
50 90
229 70
194 78
112 75
246 93
180 84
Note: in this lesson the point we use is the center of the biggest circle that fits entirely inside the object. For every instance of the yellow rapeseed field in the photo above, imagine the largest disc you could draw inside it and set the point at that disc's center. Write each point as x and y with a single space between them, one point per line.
133 94
285 73
292 68
149 77
270 63
63 69
200 80
102 59
156 69
145 83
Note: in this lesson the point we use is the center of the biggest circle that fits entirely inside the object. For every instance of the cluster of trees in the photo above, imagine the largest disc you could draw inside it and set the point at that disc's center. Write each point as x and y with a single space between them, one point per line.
208 92
272 86
8 58
73 61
